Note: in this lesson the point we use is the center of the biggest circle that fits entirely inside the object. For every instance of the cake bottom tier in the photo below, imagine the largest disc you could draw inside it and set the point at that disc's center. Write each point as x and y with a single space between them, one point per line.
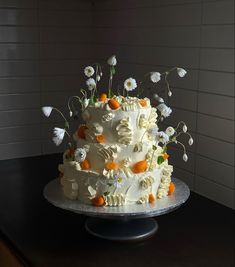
120 189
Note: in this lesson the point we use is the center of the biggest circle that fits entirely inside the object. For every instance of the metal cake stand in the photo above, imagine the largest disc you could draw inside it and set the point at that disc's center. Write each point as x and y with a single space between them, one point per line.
124 223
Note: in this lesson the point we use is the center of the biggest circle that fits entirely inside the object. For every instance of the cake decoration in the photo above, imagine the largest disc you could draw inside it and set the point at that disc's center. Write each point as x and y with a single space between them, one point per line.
118 156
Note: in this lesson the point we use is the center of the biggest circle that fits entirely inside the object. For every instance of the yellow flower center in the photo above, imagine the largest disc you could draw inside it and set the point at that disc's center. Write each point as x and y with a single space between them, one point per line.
120 179
129 84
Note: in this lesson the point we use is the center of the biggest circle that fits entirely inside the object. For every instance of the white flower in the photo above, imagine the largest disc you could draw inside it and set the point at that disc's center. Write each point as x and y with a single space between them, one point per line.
169 93
185 157
112 61
170 131
47 111
158 98
91 84
165 111
154 130
130 84
89 71
155 77
181 72
70 113
85 102
58 135
80 154
162 137
190 141
185 128
119 180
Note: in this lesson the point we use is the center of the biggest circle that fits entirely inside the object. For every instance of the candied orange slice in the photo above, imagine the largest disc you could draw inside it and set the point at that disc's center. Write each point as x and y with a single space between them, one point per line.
140 166
98 201
171 188
100 138
111 165
143 103
151 198
114 104
81 131
102 97
85 165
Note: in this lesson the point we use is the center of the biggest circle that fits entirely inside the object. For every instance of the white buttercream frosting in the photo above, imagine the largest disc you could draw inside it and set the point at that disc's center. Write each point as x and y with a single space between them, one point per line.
125 141
125 132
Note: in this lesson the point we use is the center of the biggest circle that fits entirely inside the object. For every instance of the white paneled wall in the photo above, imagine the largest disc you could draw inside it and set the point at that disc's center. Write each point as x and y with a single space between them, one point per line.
199 36
44 45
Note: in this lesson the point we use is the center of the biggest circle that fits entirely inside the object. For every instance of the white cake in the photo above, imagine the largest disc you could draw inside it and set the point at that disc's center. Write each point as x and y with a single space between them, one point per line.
118 156
122 165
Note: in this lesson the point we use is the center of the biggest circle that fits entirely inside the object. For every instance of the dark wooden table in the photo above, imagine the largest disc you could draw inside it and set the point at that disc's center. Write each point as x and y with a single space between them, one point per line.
200 233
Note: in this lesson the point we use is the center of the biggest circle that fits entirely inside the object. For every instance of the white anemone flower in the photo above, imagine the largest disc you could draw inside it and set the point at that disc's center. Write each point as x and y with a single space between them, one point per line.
185 128
119 180
185 157
170 131
181 72
85 102
162 137
164 109
190 141
80 154
89 71
58 135
112 61
169 93
91 84
158 98
130 84
155 77
47 111
153 131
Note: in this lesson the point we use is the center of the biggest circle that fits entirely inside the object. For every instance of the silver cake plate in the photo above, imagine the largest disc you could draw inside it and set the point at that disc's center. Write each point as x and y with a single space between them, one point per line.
124 223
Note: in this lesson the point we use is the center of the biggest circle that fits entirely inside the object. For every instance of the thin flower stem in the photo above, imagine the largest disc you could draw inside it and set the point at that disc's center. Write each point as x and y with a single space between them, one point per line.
71 98
67 133
152 157
182 146
62 115
178 125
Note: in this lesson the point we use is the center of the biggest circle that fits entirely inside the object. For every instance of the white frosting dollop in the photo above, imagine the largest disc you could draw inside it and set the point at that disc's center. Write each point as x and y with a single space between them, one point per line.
115 200
125 132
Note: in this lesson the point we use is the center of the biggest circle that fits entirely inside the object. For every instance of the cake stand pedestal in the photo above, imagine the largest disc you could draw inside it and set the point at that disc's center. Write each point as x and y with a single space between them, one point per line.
124 223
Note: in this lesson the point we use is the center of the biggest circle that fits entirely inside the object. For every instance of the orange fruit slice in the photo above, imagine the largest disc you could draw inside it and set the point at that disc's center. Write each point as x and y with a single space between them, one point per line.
140 166
171 188
102 97
100 138
114 104
143 103
111 166
81 131
85 165
98 201
151 198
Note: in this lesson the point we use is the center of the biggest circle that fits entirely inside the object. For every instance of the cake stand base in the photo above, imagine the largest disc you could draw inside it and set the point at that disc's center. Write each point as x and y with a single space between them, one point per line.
122 230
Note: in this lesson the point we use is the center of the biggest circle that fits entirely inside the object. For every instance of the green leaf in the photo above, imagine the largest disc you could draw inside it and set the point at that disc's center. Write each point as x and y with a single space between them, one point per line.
113 71
160 160
66 125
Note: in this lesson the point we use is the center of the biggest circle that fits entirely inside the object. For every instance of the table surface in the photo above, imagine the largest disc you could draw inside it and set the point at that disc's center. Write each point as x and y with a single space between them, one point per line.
200 233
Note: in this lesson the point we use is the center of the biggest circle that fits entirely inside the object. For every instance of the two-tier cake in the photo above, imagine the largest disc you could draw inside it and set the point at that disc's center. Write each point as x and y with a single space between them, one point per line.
119 156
